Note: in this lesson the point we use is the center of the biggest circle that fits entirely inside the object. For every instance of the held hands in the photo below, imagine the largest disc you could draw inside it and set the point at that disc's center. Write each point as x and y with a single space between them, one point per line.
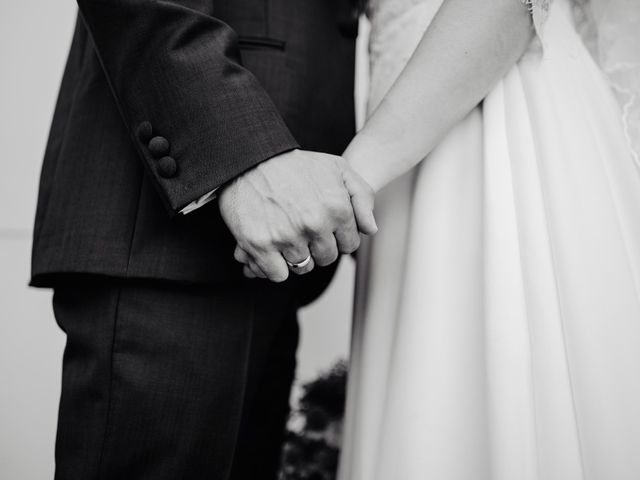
294 206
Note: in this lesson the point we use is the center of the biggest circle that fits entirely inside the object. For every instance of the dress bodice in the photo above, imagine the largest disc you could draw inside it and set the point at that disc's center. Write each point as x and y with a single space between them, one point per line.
396 29
608 29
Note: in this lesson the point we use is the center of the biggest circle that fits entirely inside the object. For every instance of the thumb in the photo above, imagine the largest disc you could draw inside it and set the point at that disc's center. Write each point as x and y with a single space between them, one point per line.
362 200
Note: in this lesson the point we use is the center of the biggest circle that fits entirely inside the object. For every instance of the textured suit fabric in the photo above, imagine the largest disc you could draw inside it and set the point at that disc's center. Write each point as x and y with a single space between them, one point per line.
165 382
227 83
175 367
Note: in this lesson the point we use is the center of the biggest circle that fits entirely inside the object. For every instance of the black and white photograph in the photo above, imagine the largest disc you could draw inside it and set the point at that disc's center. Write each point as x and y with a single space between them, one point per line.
320 240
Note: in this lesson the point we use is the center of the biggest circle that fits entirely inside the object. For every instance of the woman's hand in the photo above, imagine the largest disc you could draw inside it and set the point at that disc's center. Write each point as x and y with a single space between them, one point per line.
296 206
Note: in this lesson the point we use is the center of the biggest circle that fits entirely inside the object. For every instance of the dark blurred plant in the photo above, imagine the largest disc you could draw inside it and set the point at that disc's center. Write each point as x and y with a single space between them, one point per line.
312 446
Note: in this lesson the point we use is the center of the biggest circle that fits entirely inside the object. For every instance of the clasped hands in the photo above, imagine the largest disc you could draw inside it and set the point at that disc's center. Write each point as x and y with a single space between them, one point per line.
296 206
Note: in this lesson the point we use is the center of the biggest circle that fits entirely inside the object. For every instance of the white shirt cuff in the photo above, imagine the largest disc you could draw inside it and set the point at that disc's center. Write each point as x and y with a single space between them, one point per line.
203 200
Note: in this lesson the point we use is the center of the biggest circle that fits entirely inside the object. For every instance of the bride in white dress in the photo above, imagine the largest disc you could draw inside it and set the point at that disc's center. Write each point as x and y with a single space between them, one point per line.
497 329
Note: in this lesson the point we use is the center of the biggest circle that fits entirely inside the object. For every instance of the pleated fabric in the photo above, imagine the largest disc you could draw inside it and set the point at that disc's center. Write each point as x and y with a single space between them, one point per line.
497 324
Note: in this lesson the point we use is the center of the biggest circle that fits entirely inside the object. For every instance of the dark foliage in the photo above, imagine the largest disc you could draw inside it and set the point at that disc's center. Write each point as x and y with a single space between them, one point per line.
312 451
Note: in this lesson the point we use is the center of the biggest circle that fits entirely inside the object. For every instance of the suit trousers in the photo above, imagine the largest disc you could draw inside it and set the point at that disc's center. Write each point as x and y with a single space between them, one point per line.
168 381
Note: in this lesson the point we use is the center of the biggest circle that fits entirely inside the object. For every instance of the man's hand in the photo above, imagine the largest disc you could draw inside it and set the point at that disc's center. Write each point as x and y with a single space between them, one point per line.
294 205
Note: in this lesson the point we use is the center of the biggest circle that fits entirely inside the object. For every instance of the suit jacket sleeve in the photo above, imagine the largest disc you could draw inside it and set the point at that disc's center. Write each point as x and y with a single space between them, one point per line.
197 117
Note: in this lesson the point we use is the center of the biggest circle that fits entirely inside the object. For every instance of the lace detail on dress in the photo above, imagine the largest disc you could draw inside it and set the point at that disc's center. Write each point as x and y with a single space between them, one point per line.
610 31
539 12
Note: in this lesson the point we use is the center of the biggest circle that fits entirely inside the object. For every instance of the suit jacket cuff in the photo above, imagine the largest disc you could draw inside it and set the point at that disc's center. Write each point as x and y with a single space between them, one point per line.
197 117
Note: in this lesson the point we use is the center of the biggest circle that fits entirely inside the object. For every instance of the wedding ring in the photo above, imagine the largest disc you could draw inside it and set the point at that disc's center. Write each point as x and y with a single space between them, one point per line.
302 264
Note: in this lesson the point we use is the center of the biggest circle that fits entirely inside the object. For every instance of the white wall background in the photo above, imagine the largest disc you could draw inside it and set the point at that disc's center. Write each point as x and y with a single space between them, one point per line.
34 38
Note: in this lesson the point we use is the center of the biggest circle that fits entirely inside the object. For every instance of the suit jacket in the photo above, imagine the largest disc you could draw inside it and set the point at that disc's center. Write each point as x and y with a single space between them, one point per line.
163 101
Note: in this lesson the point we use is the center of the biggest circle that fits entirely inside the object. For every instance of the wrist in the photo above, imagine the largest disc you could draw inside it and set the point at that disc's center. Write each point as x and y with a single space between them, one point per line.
366 158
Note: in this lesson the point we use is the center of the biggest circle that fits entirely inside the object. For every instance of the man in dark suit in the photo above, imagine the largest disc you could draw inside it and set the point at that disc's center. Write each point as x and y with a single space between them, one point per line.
176 365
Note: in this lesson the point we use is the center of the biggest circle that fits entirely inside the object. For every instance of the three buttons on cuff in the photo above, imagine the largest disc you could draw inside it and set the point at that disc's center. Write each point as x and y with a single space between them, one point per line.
167 167
158 147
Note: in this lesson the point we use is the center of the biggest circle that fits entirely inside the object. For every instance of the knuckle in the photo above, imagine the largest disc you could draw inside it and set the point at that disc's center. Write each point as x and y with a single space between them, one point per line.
258 241
314 223
351 245
337 206
254 269
243 246
285 241
327 258
237 255
343 214
323 262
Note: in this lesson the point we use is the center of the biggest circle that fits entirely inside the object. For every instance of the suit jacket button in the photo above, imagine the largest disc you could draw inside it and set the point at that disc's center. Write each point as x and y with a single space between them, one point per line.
145 131
167 167
158 146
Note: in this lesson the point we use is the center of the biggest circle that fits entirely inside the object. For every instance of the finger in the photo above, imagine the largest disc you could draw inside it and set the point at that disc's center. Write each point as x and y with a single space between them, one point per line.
306 269
257 271
273 265
241 256
324 250
310 265
362 200
298 254
347 236
251 270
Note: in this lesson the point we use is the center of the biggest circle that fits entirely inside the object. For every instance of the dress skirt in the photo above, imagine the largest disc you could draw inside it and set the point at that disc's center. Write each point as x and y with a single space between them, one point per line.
497 325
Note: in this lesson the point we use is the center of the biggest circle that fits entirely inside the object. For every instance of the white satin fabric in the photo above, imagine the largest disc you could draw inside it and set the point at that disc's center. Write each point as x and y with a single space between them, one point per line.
497 326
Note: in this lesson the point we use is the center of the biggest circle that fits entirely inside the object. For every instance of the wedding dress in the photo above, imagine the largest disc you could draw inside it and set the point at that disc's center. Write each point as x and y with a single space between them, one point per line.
497 325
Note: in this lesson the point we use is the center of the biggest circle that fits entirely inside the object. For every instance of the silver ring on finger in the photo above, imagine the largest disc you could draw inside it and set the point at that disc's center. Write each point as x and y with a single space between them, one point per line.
302 264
